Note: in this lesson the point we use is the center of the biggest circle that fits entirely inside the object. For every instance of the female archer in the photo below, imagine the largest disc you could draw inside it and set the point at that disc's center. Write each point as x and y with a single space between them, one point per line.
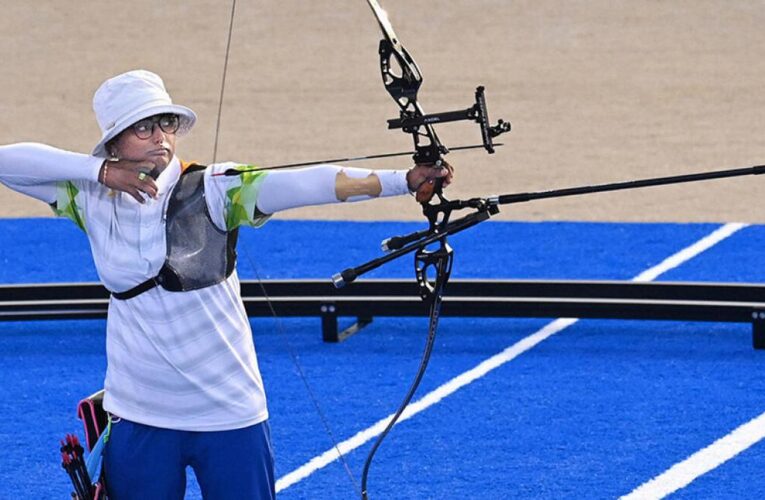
182 383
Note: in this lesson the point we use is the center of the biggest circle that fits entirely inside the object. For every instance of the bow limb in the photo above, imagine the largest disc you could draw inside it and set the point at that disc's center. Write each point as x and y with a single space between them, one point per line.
403 88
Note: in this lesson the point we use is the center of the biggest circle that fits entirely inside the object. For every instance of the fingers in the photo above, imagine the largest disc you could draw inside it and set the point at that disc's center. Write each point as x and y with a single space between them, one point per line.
446 174
424 178
137 195
139 192
427 173
141 186
133 178
147 184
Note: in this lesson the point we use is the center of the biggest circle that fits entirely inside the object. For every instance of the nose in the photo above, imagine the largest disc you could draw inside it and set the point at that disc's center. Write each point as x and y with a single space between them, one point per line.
157 135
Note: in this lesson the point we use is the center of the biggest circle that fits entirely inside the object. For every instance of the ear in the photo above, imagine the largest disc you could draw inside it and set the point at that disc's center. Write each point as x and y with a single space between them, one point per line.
111 149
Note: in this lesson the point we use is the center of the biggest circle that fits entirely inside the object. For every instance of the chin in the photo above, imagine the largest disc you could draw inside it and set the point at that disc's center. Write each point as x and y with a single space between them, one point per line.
160 162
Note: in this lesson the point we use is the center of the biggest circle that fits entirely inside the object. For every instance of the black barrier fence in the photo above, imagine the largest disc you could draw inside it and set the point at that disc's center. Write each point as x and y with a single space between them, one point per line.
363 300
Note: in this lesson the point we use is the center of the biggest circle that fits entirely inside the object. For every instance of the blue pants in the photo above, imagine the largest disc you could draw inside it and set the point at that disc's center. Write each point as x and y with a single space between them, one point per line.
144 462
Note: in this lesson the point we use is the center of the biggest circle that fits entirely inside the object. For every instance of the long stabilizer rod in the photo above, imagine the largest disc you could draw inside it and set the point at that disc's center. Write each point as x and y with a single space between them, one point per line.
412 241
618 186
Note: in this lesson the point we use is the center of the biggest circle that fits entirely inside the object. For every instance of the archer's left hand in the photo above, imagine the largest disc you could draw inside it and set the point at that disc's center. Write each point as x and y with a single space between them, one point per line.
422 179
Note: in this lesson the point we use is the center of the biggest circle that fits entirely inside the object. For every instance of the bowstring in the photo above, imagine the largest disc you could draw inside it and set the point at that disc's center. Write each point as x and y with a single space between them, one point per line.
301 373
279 325
223 79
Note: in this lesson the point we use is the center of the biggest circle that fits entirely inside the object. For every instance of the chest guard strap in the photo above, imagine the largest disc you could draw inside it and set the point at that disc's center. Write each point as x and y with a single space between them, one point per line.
198 253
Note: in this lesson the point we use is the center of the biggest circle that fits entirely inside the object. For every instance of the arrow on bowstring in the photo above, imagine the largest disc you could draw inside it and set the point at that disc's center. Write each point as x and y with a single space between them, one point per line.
239 171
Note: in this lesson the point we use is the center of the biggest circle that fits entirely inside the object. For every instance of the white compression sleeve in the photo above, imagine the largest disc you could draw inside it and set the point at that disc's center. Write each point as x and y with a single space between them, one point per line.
34 169
317 186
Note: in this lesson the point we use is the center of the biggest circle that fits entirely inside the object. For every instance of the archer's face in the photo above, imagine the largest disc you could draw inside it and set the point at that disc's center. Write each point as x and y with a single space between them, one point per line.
146 140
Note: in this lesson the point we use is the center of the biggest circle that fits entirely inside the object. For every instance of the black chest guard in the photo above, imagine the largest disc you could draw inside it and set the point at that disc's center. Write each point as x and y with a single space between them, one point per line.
198 253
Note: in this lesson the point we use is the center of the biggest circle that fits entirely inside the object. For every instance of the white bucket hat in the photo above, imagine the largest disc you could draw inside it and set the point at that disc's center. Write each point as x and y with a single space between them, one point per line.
127 98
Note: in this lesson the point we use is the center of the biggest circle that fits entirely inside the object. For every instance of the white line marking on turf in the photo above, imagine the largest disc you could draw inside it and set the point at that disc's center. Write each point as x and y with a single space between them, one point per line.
490 364
690 252
683 473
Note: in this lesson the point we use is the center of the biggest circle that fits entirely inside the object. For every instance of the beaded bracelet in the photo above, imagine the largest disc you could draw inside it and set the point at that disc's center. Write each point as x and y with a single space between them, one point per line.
104 171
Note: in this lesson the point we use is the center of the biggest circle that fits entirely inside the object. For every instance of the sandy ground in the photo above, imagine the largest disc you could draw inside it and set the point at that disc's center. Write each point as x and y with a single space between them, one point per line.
597 91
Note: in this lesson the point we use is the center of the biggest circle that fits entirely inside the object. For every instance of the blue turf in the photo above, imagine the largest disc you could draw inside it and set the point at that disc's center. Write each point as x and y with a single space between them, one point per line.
592 412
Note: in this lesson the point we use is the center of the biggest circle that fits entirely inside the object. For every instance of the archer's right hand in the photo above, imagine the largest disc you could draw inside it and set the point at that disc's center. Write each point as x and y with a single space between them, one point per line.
131 177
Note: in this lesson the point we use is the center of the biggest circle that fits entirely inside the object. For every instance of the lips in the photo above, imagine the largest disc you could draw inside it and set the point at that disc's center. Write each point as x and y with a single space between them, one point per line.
159 152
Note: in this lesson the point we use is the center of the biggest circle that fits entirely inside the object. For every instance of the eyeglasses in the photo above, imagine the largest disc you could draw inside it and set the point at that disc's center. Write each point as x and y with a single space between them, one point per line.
168 124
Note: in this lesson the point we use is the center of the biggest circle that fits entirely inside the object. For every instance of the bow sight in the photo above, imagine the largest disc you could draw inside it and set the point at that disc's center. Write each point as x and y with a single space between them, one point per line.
409 122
